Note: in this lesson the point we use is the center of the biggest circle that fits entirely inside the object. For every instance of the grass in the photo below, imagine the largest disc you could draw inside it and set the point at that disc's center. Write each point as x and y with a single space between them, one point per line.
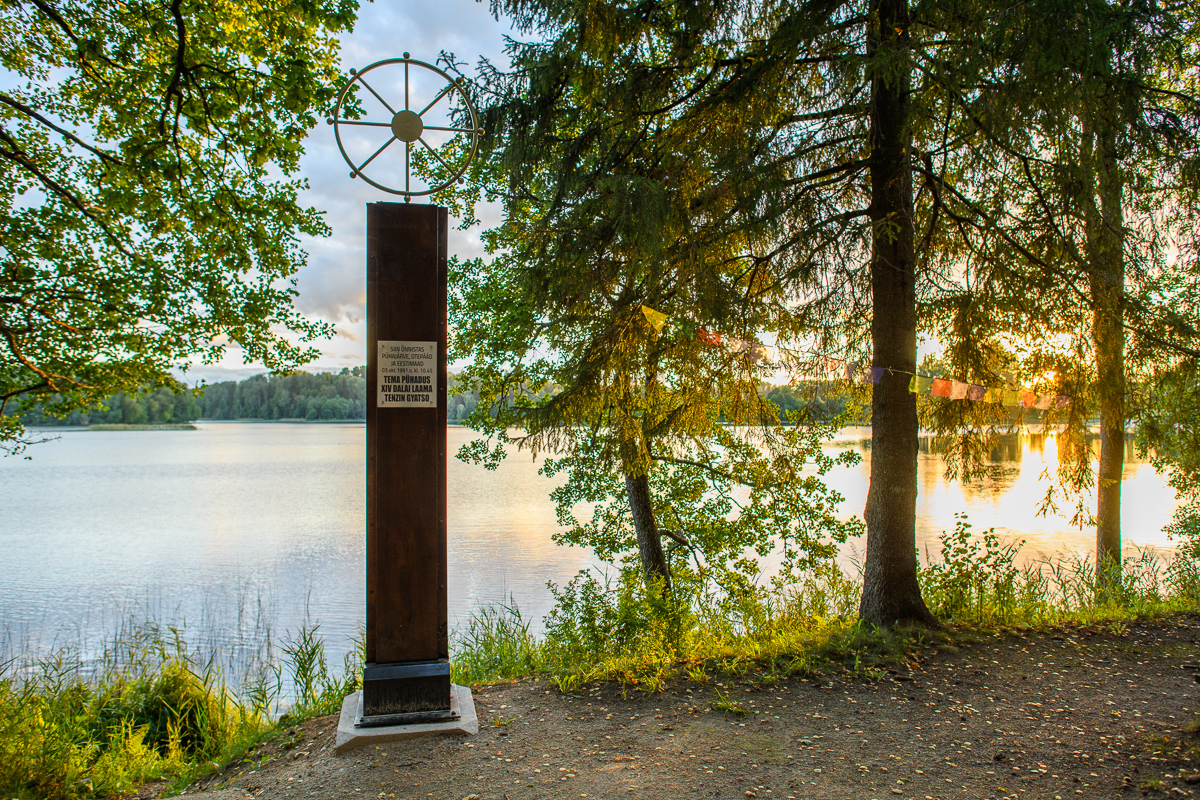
613 632
731 707
148 710
496 645
151 709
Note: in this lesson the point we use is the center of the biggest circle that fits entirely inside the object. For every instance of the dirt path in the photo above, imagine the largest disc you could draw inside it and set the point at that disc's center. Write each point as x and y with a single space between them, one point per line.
1060 715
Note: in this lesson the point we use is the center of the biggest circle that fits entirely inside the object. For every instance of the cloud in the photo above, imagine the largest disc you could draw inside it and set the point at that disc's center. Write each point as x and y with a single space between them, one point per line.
332 286
346 333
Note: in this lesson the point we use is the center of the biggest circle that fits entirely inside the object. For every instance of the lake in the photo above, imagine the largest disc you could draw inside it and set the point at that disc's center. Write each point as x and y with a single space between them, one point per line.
238 527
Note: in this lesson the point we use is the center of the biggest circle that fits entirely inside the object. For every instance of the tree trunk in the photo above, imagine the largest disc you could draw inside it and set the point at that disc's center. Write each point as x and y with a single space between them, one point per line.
1105 234
890 590
654 563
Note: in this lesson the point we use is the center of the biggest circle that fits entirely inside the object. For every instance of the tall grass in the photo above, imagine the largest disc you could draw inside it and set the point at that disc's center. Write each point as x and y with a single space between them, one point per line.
496 645
614 629
150 707
147 709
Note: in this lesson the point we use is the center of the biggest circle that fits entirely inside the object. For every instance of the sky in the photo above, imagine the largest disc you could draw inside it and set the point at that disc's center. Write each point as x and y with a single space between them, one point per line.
332 287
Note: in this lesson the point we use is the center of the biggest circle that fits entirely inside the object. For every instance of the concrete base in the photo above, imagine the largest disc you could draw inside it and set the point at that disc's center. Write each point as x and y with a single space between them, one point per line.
349 736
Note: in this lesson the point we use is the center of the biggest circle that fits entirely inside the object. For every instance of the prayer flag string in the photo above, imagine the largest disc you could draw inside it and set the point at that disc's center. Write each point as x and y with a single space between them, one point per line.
1007 396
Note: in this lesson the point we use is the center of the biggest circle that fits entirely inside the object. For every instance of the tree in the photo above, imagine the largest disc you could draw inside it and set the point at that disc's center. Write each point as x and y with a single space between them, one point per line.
610 209
1089 133
890 590
150 214
775 156
298 395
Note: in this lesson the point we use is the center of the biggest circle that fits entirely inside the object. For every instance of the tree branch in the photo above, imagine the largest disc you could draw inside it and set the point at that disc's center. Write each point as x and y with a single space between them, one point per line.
12 102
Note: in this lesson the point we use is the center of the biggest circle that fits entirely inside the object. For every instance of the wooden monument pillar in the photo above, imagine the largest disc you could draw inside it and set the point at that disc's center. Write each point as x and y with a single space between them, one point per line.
407 674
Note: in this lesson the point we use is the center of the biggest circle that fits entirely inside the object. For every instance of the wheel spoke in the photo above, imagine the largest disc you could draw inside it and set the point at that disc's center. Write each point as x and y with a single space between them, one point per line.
359 168
377 95
436 155
402 125
433 102
455 130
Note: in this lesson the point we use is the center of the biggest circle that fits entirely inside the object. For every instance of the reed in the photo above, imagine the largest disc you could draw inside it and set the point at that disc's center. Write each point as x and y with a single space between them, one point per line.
495 645
148 708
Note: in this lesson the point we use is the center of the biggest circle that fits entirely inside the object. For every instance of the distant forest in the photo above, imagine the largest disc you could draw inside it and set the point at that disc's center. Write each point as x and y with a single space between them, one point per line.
320 396
325 396
301 395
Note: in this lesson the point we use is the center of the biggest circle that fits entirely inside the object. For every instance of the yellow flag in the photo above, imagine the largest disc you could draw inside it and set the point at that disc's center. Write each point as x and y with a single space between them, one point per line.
656 318
919 384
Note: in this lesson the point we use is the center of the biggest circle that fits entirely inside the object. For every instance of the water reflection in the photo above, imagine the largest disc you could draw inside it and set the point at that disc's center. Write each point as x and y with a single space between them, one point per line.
1009 496
237 523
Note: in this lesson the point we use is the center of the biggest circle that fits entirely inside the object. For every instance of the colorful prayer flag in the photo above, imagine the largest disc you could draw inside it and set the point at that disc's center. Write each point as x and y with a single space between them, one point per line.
958 390
657 319
1010 398
994 394
763 352
976 392
1062 401
875 374
851 368
1044 401
941 388
1028 398
736 346
709 337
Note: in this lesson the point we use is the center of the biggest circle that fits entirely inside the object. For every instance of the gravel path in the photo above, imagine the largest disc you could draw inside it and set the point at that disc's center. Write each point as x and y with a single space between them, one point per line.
1097 713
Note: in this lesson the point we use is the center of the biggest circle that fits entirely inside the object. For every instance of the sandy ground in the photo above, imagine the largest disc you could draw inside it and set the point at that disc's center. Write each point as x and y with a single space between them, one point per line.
1098 713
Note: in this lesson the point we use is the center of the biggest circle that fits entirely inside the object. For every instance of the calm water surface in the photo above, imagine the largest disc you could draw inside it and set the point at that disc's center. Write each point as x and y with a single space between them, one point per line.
236 526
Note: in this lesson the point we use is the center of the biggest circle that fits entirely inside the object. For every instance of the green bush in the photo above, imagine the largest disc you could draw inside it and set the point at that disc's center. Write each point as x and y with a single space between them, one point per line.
65 735
148 710
974 582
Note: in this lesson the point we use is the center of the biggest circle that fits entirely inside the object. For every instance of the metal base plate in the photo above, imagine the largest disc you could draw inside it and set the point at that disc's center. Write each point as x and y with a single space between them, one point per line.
413 718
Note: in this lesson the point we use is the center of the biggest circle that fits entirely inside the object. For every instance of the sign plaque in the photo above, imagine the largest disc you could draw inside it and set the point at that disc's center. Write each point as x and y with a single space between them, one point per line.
407 375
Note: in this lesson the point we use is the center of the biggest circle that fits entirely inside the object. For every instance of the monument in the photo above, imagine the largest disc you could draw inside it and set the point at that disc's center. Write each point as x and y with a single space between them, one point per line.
406 679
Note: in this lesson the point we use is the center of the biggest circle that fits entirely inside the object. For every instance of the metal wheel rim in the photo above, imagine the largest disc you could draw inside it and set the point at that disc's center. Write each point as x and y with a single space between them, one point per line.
452 86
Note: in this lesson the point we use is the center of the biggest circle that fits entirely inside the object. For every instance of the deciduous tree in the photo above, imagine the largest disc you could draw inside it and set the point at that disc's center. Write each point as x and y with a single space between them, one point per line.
148 153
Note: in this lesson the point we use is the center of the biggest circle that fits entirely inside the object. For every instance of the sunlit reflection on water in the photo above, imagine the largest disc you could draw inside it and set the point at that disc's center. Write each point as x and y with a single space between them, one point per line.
235 523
